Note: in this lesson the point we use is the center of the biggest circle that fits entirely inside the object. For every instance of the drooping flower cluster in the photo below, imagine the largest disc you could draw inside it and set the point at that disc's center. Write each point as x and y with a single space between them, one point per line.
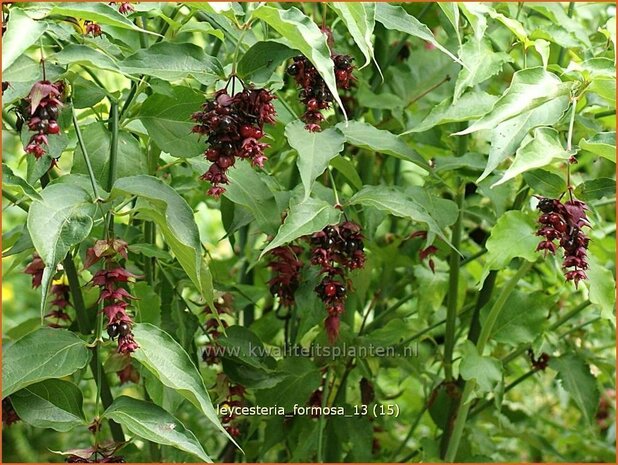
538 363
115 298
213 326
124 7
35 269
39 110
563 222
337 250
233 125
235 398
286 267
60 302
93 28
314 92
101 453
9 415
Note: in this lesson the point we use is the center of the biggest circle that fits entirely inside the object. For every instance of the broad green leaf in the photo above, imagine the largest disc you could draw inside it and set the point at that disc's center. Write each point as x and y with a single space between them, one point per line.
22 75
53 403
43 354
557 14
529 89
602 287
368 137
545 183
508 135
98 12
148 303
347 170
166 359
359 18
397 19
451 11
62 219
414 204
512 236
512 25
596 189
151 422
543 49
481 64
476 14
539 151
13 183
163 205
485 371
471 105
74 54
315 150
262 59
602 144
575 377
21 33
173 61
304 35
302 378
168 121
85 93
248 189
522 318
97 139
304 218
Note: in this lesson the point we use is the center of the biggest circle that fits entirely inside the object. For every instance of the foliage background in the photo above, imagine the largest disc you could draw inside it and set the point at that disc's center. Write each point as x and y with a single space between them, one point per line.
534 416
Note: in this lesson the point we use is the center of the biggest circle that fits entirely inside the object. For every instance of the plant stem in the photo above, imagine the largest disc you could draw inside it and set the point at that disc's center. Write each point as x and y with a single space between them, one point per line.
334 186
447 78
82 145
464 405
14 200
603 114
113 158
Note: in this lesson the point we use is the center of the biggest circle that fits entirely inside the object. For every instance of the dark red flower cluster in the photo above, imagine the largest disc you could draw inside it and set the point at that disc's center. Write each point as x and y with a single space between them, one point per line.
40 111
426 252
337 250
9 415
102 453
213 326
115 298
35 269
124 7
233 125
286 267
538 363
129 373
93 28
564 222
60 302
235 398
314 92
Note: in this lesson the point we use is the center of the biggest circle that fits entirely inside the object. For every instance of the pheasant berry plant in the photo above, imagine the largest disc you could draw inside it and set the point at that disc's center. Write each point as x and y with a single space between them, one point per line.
308 232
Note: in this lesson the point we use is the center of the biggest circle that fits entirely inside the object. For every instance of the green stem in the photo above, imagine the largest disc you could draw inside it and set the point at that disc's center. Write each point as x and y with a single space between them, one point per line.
334 186
82 145
603 114
14 200
464 405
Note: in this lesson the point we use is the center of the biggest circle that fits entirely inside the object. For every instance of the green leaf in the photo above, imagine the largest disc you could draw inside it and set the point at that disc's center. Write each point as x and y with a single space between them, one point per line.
148 304
62 219
101 13
53 403
512 236
74 54
545 183
21 33
602 144
451 11
151 422
315 150
173 61
304 218
596 189
168 121
85 93
302 378
486 371
522 318
43 354
508 135
160 203
575 377
359 18
529 89
397 19
368 137
347 170
471 105
97 140
13 183
414 204
482 63
304 35
539 151
166 359
602 287
262 59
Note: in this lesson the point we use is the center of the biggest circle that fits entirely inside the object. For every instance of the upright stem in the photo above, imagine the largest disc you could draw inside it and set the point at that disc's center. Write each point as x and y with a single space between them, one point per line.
113 158
569 144
80 140
464 405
